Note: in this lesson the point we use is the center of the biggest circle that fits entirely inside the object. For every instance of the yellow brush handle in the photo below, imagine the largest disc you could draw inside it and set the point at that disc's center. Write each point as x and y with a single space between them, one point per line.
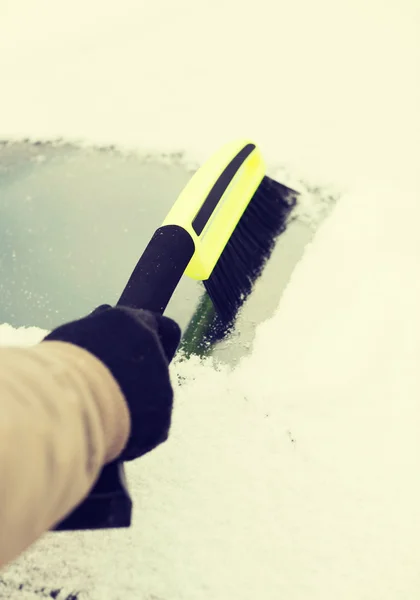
234 173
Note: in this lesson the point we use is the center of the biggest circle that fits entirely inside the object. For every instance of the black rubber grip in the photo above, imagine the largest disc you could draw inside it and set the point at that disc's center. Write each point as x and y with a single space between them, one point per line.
159 269
150 286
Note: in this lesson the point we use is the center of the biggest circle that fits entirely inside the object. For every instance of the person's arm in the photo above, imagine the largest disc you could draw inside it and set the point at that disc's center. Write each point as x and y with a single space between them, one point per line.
93 390
62 417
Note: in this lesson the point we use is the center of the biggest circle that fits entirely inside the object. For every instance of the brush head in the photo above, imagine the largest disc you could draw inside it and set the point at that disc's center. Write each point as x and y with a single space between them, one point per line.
248 249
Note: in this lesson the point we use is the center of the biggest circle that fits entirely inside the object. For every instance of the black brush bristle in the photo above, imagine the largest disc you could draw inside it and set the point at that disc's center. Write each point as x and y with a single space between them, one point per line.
249 247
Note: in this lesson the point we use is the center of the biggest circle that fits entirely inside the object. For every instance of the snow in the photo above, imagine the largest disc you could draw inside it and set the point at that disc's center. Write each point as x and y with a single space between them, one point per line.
296 474
329 87
21 336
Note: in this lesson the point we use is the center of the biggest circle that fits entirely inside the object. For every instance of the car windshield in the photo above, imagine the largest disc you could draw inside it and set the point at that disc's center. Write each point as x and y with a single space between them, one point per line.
75 220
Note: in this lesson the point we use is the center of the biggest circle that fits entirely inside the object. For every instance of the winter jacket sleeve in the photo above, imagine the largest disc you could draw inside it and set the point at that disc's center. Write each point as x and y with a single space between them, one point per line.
62 416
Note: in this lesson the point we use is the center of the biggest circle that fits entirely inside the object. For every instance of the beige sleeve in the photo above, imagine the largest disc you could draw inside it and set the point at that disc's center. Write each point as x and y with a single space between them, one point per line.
62 416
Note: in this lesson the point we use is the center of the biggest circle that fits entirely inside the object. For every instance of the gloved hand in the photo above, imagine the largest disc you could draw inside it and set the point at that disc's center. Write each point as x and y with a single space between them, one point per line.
137 347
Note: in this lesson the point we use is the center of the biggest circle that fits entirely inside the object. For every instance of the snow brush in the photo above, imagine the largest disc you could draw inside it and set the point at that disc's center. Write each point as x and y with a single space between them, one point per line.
221 230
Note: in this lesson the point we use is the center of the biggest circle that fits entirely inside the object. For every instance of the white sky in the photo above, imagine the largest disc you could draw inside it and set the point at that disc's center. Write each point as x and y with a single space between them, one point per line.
297 475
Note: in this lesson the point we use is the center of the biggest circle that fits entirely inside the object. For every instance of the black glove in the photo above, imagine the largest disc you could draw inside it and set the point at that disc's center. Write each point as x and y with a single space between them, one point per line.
137 347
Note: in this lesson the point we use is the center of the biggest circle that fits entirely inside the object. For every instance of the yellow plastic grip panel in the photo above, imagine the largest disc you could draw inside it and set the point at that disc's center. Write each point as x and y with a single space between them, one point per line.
224 219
